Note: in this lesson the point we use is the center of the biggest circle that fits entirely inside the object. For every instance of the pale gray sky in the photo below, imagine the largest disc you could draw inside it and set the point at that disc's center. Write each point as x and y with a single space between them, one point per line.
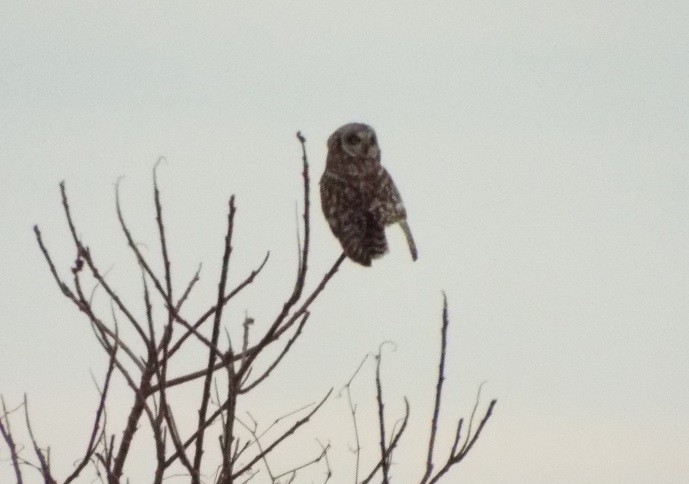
542 150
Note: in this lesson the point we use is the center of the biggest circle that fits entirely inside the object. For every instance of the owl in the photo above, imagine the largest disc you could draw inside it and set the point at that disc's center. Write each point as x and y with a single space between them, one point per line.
358 196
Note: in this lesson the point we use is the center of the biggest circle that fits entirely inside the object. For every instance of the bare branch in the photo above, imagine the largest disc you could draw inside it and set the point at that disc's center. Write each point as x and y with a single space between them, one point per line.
80 302
393 443
135 249
323 455
381 422
84 254
471 440
327 461
42 459
286 434
261 451
91 447
438 393
6 432
352 410
187 291
277 360
254 350
455 456
101 327
272 334
132 422
248 322
248 280
63 287
161 231
241 455
214 341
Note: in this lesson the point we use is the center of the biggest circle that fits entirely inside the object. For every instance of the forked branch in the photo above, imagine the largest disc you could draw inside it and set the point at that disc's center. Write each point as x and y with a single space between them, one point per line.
145 357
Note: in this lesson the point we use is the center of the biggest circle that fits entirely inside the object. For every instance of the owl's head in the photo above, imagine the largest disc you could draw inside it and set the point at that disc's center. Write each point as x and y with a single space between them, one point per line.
357 141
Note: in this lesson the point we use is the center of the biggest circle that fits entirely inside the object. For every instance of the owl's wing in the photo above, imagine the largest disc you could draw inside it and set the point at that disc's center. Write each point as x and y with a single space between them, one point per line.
387 205
388 208
359 231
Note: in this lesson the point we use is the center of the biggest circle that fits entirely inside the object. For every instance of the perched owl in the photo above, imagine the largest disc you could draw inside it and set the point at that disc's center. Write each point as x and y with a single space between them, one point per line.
358 195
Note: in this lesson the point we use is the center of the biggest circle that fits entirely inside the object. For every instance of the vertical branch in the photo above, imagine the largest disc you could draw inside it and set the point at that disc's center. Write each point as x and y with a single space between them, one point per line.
161 234
250 386
329 473
43 461
167 335
303 263
352 411
470 440
456 455
393 443
91 447
438 393
307 203
245 339
6 432
257 439
214 341
132 423
228 429
381 421
165 411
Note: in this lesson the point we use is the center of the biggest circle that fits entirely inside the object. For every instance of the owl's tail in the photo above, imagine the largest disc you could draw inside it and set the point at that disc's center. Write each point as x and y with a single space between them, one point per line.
410 239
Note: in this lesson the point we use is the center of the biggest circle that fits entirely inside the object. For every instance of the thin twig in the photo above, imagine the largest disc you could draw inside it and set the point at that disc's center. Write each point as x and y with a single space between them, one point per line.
214 342
187 291
161 232
91 447
381 422
393 443
271 367
455 455
352 411
80 302
438 393
456 458
257 440
165 412
211 311
85 255
286 434
6 432
277 328
327 461
254 350
321 456
43 461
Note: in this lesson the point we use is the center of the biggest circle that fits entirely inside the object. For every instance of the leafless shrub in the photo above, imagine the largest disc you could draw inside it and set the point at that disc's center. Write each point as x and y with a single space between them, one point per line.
142 361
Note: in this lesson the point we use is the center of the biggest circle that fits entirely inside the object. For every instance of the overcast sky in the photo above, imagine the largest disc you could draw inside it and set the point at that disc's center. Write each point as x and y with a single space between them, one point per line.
541 148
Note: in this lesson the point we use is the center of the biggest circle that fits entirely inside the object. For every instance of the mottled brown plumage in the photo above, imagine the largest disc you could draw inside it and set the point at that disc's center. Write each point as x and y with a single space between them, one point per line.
358 195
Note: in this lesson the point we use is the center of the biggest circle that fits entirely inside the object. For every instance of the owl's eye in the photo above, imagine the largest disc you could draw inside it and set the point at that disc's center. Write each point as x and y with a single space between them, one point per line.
353 139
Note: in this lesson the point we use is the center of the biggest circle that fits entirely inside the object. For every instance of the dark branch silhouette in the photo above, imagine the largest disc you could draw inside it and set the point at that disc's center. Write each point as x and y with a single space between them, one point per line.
142 346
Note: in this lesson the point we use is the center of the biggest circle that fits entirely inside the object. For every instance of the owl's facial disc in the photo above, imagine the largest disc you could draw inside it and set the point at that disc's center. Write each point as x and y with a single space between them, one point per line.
353 139
352 144
360 143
